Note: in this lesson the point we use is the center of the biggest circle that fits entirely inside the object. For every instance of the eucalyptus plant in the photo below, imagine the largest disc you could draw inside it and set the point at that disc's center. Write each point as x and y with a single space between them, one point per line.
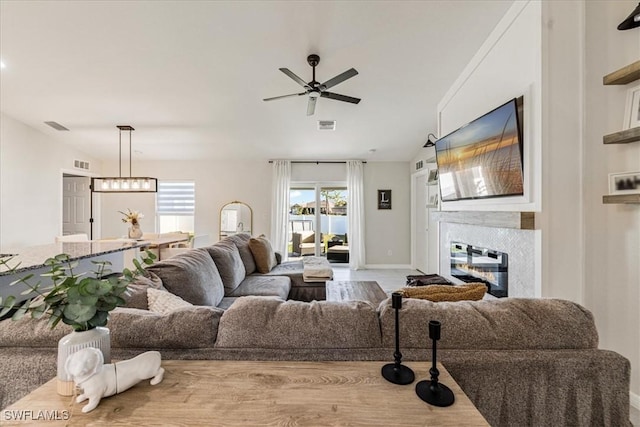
78 300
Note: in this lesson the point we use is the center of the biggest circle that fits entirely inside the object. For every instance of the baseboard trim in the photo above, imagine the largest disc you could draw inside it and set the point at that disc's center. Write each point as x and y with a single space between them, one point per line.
388 267
634 400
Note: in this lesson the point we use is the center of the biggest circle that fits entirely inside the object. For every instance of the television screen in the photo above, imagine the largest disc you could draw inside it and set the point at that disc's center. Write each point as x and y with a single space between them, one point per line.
483 158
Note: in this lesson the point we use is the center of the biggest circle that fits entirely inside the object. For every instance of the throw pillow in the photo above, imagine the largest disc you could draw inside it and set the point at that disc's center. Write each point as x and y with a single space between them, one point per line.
241 240
439 293
136 293
230 266
164 302
193 276
263 254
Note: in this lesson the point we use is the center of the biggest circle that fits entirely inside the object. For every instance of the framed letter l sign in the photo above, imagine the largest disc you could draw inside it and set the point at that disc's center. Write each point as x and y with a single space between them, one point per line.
384 199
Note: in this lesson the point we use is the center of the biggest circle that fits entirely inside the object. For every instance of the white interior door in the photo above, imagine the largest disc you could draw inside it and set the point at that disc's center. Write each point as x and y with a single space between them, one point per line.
76 200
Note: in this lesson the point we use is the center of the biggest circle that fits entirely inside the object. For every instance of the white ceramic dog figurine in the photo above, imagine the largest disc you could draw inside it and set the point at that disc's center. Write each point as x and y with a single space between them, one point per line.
98 380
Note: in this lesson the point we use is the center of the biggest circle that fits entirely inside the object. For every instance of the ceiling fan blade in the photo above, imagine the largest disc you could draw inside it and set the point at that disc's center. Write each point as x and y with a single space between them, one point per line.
311 106
339 78
339 97
290 73
284 96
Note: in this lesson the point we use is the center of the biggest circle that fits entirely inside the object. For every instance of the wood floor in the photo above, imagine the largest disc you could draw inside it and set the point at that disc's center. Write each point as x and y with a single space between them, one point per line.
390 280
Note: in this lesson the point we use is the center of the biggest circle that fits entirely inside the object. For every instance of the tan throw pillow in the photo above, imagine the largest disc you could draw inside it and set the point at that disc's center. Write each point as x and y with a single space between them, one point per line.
164 302
439 293
263 254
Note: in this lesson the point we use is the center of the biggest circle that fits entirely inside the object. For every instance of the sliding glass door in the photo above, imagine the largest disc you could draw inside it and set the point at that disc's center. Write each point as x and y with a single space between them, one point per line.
313 230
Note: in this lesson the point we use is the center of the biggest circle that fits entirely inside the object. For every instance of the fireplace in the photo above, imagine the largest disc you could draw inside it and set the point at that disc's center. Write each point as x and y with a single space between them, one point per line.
477 264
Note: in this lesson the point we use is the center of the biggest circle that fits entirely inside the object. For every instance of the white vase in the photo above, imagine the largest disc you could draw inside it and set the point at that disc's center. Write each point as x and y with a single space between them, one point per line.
97 337
135 232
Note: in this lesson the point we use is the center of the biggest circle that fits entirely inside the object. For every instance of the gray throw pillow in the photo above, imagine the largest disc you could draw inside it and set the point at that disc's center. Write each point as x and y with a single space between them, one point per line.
241 240
193 276
229 263
136 294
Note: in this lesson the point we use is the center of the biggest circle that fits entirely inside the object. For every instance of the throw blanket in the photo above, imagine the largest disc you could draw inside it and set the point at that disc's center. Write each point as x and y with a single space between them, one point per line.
438 293
316 269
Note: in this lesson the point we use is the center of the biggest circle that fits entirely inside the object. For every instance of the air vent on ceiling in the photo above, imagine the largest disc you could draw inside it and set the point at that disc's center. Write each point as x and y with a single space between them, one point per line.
419 165
326 125
80 164
56 125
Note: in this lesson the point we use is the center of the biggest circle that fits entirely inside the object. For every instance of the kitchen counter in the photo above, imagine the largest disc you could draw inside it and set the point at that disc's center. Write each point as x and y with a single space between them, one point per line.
31 261
34 257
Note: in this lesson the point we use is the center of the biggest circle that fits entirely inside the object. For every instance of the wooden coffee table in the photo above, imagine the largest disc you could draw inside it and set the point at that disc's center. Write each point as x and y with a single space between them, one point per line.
352 290
241 393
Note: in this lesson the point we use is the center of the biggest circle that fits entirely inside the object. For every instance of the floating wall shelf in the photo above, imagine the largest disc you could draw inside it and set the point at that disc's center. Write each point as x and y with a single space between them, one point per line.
621 198
624 75
622 137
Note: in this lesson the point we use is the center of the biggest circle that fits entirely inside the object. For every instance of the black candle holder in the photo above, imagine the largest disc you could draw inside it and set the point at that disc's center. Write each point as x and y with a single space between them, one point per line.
396 372
433 392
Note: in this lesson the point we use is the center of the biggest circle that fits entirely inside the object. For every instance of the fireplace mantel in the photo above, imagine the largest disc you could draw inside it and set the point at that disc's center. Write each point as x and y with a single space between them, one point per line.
517 220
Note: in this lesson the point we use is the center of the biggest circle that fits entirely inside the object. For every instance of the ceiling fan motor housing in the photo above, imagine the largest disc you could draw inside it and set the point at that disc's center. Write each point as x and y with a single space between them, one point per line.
313 59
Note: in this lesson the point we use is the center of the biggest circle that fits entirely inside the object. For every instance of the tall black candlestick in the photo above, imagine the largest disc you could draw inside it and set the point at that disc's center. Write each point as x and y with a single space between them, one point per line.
396 372
433 392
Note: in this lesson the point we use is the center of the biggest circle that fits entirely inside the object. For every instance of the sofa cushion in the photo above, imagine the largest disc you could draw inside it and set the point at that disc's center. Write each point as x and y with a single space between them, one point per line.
277 286
164 302
136 294
193 276
28 332
226 302
300 290
190 327
263 254
501 324
230 266
438 293
267 322
241 240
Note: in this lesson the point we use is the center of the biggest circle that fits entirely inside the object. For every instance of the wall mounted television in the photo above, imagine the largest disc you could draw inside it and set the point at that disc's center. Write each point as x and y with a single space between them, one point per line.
483 158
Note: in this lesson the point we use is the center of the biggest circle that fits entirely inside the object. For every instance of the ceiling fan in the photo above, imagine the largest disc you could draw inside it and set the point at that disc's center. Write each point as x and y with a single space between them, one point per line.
316 89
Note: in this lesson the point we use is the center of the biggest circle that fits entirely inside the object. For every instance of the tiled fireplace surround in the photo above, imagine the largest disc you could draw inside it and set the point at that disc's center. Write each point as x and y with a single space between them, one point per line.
521 246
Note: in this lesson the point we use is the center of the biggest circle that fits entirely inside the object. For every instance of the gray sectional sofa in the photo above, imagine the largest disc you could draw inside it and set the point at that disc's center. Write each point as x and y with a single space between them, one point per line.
521 361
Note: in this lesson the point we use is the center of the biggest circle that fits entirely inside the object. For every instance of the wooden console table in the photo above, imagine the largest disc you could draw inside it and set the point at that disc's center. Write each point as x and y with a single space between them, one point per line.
240 393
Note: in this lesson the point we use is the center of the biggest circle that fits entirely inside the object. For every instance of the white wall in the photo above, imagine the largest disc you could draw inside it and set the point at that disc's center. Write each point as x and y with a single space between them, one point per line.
387 238
612 232
31 165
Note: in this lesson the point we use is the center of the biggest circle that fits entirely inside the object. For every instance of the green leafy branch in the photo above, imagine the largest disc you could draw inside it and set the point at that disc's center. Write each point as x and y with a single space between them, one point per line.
81 301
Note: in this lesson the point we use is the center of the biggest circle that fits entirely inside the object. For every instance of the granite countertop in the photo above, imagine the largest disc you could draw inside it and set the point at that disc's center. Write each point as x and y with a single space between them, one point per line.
34 257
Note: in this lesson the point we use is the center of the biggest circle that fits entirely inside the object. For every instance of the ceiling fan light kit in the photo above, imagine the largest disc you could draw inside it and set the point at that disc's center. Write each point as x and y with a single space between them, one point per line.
315 89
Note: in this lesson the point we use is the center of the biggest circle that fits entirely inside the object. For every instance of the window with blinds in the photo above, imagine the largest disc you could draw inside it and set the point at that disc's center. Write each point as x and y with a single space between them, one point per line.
175 206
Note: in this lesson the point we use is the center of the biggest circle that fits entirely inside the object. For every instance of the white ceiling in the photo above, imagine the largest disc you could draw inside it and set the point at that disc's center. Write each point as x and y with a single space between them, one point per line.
190 76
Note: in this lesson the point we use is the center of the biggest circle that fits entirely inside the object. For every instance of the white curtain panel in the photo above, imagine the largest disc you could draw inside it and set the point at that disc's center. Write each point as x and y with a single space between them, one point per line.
281 179
355 208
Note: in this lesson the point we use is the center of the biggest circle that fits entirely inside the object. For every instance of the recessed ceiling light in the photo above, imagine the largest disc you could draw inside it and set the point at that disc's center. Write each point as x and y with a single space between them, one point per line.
2 65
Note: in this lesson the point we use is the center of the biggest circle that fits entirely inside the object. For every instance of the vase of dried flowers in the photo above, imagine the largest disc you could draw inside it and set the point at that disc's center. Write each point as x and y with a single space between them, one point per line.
133 217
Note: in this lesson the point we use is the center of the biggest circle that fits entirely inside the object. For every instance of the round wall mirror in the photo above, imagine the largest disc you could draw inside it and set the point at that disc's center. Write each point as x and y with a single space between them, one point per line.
235 217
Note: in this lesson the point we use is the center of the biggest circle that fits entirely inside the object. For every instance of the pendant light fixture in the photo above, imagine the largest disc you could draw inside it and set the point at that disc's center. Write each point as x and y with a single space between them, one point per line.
126 184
